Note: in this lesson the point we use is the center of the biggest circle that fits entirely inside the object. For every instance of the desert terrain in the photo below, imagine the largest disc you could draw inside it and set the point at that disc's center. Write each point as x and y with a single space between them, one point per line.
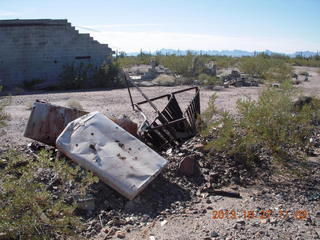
194 217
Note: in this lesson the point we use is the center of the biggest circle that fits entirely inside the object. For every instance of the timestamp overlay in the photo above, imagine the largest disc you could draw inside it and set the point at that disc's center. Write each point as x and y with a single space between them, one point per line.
299 214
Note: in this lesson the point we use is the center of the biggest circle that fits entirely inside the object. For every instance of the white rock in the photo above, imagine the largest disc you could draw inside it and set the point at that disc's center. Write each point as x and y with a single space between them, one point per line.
164 222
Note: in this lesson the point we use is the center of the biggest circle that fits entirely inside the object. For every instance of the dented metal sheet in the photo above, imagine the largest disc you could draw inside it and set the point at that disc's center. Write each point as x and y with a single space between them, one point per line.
114 155
47 121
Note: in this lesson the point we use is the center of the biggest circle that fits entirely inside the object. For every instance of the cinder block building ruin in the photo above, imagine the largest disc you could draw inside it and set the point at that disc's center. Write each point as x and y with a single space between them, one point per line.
38 49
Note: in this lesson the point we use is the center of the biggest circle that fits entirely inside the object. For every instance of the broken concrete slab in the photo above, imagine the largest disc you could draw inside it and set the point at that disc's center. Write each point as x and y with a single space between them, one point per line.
118 158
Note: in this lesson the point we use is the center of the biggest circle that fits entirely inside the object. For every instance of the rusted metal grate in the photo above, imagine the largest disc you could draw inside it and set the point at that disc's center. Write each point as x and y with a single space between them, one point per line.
171 127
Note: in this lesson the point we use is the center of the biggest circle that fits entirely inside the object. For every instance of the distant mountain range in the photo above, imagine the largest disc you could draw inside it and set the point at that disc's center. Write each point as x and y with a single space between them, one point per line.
231 53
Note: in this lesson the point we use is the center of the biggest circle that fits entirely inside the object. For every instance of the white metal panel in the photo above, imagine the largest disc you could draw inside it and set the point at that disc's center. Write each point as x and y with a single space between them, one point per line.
118 158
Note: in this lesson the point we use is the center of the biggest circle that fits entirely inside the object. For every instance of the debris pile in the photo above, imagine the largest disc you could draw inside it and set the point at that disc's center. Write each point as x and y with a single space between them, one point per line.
237 79
115 156
116 150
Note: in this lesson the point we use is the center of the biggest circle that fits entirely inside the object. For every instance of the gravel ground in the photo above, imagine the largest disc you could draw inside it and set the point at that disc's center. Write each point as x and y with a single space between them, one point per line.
175 206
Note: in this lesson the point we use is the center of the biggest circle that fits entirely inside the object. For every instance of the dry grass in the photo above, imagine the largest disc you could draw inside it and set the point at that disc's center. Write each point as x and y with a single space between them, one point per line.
73 103
29 106
165 80
3 115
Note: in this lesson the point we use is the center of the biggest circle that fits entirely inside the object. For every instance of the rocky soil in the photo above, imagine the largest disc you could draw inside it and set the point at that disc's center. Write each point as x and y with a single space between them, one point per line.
197 196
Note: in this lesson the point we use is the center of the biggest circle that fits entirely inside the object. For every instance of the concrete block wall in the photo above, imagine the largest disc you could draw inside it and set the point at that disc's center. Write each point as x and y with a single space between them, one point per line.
38 49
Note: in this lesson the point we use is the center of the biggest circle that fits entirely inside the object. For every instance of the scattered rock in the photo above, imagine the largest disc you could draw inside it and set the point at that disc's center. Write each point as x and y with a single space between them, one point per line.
214 234
164 222
120 234
86 203
187 165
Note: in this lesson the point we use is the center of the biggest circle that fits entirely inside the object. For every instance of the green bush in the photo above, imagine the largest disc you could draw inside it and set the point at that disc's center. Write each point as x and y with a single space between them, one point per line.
86 76
74 77
30 208
108 75
209 81
30 85
269 124
74 103
268 68
181 65
4 101
165 80
304 73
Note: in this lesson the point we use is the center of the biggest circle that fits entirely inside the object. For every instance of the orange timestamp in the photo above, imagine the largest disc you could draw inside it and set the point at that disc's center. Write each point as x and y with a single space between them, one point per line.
261 214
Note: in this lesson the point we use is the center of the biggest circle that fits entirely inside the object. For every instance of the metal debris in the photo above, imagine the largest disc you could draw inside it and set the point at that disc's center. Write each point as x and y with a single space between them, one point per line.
118 158
172 126
47 121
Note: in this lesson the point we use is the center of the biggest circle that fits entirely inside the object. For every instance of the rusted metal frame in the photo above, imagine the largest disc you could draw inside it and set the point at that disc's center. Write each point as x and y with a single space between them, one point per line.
189 114
162 134
170 115
193 115
168 124
172 111
47 121
197 97
192 110
175 110
169 128
128 87
166 95
153 99
146 97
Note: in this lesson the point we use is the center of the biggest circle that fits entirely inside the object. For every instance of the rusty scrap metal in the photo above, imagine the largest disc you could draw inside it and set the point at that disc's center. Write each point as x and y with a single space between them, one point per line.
119 159
47 121
171 127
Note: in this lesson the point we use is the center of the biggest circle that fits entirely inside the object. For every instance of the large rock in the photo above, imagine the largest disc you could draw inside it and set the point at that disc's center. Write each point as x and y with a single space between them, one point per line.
188 165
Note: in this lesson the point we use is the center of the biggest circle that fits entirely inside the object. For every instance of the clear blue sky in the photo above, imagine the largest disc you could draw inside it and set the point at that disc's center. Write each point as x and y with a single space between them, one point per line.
130 25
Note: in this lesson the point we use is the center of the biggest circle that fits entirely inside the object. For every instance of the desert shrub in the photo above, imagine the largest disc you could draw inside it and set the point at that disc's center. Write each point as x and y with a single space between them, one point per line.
304 73
184 81
4 101
266 67
278 71
209 81
74 76
205 122
268 124
181 65
73 103
33 195
225 62
30 85
108 75
165 80
313 61
129 61
86 76
256 67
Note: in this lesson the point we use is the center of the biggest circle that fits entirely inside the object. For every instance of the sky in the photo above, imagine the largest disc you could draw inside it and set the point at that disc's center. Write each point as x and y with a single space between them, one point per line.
131 25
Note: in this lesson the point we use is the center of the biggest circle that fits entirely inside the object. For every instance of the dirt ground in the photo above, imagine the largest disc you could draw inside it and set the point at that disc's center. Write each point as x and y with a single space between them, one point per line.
193 222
